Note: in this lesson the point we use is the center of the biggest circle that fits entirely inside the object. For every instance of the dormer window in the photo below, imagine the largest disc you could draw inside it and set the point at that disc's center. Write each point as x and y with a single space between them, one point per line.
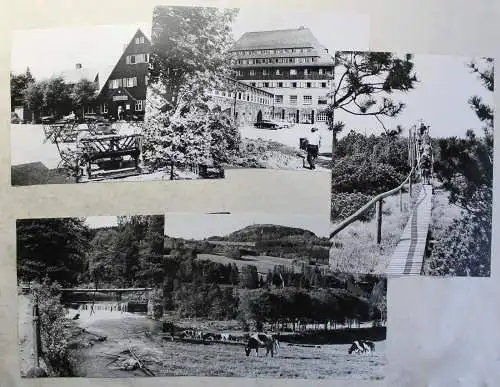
139 40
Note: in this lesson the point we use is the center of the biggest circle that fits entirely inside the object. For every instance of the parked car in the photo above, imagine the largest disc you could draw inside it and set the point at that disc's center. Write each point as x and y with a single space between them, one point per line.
267 124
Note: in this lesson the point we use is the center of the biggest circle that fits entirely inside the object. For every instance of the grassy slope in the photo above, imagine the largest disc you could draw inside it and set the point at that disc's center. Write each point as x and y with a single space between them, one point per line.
359 252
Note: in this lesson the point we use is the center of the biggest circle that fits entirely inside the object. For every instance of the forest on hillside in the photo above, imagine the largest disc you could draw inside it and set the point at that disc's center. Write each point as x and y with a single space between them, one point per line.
273 240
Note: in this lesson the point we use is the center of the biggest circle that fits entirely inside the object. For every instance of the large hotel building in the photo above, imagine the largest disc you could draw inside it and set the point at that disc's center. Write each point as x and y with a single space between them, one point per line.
290 64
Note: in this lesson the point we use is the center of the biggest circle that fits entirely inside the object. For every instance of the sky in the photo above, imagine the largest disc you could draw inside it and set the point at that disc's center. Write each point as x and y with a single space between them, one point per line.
101 221
335 31
439 99
49 51
200 226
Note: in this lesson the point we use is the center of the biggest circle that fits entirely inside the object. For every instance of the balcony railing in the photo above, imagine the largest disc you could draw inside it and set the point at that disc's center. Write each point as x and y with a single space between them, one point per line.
285 77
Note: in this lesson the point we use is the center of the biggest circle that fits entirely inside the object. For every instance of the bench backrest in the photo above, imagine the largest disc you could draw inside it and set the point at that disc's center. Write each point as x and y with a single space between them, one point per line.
107 144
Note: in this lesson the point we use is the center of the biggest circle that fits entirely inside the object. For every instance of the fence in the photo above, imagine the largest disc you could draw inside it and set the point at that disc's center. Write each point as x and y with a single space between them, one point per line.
413 156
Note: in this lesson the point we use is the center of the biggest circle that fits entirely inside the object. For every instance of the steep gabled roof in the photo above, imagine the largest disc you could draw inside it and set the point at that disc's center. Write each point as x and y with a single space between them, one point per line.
289 38
102 73
105 74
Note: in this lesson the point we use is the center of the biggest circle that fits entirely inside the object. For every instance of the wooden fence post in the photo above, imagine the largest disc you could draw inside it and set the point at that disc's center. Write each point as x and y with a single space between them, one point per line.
36 330
401 200
379 221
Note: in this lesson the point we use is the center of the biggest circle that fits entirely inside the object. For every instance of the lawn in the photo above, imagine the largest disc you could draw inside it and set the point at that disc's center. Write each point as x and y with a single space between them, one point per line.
355 249
168 358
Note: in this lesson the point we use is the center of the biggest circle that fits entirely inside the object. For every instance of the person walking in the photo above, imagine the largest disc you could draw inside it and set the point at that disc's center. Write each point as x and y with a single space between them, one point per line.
313 144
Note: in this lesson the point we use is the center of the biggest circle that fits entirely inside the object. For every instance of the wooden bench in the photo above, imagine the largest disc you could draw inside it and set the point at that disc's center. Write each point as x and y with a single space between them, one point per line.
112 149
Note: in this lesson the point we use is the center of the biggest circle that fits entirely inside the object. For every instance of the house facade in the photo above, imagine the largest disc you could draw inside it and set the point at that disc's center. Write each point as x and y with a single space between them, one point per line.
121 86
290 64
246 103
123 93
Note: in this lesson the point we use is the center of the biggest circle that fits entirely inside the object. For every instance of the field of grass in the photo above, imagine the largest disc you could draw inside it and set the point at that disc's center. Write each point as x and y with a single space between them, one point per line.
168 358
355 248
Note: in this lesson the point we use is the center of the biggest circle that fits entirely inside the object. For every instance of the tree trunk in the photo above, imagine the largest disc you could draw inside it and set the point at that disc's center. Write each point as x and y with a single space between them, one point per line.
171 170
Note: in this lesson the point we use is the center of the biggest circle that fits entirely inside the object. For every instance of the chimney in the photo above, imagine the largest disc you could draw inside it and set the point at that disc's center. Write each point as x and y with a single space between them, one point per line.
78 66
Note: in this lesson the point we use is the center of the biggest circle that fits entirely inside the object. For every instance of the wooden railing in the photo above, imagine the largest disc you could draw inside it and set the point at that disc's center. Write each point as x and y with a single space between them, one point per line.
378 201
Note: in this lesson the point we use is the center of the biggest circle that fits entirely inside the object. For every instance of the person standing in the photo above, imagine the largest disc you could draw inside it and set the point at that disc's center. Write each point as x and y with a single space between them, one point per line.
313 144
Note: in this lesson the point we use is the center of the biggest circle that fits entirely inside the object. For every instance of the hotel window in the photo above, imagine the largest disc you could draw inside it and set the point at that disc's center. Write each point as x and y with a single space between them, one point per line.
308 85
280 84
248 97
266 84
307 99
130 59
279 98
253 84
104 108
239 95
139 105
294 85
252 72
322 101
323 85
293 100
250 61
293 72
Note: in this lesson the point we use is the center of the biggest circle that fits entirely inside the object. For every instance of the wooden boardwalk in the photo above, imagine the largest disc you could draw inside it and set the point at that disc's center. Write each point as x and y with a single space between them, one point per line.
408 257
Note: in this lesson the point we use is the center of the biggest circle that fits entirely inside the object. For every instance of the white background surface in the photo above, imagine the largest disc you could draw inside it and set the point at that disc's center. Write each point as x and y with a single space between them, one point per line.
442 332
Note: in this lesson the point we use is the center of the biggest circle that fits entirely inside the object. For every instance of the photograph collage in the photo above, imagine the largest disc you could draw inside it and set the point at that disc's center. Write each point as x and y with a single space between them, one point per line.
405 140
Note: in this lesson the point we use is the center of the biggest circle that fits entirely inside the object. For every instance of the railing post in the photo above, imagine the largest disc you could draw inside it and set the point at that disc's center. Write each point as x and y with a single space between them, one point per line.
401 200
379 221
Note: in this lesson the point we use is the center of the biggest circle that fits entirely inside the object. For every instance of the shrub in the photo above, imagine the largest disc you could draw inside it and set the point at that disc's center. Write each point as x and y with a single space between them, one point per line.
346 204
464 250
359 174
54 328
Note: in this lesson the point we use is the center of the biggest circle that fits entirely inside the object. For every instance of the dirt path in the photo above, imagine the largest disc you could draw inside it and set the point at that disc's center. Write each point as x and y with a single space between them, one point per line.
26 334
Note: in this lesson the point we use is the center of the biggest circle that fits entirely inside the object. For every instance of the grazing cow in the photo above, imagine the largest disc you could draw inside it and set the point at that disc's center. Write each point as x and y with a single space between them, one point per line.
261 340
361 346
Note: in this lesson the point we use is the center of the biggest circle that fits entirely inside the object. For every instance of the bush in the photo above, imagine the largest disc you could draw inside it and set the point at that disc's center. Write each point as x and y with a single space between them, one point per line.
358 174
346 204
464 250
54 328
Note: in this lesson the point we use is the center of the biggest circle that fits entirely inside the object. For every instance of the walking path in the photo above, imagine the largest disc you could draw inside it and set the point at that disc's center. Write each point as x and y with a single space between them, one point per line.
26 334
408 257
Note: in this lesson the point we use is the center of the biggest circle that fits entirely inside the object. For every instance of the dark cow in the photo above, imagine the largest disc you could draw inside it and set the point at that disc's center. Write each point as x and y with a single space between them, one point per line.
262 340
361 346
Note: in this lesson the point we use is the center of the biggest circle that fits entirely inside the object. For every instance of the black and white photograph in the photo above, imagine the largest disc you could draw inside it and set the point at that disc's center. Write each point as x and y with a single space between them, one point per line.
243 88
78 97
412 173
217 294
